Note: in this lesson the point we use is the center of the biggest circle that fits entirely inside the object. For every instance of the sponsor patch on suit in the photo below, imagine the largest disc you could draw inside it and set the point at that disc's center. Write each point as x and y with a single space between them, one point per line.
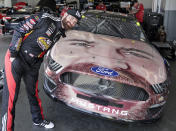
51 29
26 27
44 43
29 24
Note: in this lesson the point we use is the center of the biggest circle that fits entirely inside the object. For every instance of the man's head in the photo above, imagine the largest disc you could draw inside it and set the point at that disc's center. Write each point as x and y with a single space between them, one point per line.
134 3
101 2
70 18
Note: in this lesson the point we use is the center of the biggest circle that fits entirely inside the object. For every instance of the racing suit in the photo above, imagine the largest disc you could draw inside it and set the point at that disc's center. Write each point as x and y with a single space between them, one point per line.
140 14
32 38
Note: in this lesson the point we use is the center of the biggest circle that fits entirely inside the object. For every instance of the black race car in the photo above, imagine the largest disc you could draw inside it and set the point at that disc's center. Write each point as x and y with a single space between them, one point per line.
107 68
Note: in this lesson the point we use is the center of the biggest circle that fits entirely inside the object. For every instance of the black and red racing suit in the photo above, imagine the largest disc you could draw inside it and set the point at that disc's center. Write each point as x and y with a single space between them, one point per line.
32 38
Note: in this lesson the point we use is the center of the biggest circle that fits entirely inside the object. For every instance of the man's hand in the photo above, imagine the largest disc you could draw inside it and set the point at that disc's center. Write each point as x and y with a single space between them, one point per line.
12 59
133 11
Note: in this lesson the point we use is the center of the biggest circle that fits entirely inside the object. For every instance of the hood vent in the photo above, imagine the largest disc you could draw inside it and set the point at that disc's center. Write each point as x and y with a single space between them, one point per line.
160 88
54 66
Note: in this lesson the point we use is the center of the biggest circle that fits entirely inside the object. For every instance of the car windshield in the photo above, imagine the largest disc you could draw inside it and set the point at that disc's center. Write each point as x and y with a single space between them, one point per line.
111 24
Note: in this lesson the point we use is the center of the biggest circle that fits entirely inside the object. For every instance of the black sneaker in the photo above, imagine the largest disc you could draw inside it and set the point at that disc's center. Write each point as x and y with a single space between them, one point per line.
45 124
1 80
1 74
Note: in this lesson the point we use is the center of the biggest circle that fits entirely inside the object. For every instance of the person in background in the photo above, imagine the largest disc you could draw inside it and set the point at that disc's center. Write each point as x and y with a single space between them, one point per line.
138 10
31 40
101 6
64 9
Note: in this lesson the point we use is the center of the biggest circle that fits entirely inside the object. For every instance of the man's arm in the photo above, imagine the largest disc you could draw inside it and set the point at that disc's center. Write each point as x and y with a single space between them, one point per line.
21 29
133 11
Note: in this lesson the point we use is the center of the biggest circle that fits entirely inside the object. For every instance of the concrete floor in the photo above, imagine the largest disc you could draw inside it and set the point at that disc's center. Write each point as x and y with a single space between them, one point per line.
67 119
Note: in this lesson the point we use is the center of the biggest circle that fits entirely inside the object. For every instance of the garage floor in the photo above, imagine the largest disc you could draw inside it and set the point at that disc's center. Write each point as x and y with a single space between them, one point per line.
67 119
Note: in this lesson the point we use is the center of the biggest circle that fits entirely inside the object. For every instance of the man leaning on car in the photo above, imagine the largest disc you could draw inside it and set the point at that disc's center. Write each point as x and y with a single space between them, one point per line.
31 40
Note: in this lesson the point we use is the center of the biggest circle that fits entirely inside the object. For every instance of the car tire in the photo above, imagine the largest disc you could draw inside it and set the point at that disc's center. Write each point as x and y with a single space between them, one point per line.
154 120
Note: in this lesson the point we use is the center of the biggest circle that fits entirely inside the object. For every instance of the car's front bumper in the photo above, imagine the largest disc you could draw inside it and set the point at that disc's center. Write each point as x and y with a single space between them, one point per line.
151 114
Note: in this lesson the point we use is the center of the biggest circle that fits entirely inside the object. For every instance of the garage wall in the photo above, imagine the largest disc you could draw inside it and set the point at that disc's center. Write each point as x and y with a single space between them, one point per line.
33 2
1 3
169 19
170 5
14 1
147 3
6 3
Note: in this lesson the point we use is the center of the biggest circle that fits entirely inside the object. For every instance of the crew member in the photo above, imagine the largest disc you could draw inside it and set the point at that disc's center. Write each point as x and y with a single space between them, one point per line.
31 40
137 10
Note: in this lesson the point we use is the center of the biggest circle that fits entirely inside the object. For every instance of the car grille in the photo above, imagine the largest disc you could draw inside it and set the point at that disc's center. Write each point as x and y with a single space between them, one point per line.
99 101
102 87
54 66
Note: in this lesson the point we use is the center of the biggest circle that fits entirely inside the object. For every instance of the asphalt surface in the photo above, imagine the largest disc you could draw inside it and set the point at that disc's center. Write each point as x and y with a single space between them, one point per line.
67 119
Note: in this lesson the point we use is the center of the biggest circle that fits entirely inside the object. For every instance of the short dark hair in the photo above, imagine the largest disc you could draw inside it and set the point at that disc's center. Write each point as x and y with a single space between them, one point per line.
133 2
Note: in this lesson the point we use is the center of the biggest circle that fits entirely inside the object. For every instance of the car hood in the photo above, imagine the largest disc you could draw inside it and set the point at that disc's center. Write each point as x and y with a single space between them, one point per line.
114 53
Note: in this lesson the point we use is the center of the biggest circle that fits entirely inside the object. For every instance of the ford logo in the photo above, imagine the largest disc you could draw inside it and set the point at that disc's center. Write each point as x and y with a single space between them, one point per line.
104 71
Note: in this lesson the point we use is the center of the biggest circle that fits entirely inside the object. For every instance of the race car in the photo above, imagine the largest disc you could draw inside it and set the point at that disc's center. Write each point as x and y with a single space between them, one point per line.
106 67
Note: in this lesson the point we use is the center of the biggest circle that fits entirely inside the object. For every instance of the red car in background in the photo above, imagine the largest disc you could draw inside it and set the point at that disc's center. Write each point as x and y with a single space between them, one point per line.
10 17
20 5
